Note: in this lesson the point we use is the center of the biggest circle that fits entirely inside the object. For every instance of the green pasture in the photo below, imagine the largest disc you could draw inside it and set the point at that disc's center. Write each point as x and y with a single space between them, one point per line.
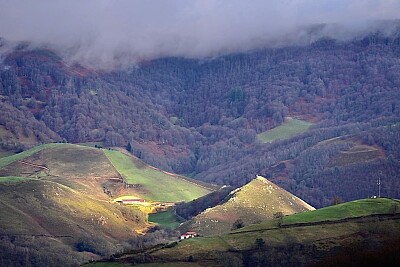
152 183
5 153
165 219
288 129
12 179
357 208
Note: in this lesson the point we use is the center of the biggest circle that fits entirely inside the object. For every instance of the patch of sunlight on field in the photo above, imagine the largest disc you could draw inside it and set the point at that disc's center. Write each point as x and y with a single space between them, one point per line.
154 184
351 209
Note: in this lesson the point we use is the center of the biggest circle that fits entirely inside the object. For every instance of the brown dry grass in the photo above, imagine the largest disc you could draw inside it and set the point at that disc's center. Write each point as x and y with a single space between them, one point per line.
255 202
356 154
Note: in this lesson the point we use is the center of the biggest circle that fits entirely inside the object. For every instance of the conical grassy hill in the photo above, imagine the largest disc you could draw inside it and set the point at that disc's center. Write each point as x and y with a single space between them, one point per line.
257 201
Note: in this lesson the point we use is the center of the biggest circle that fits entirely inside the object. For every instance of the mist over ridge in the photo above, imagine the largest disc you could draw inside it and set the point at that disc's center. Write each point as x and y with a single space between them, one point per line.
106 34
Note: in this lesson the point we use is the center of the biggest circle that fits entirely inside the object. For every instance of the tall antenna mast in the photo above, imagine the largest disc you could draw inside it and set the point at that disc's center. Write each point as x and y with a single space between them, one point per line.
379 186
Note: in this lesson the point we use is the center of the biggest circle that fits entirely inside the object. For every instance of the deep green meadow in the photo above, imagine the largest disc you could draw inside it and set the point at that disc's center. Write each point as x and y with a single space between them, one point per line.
288 129
165 219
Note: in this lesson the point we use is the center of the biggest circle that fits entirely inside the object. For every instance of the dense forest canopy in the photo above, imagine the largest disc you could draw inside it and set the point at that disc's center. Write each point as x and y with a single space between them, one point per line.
201 117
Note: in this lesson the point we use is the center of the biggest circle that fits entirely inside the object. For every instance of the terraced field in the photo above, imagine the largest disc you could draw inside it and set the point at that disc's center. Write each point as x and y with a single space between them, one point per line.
357 154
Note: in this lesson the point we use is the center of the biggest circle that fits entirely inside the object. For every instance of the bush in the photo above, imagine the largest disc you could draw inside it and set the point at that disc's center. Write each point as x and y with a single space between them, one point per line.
238 224
81 246
260 243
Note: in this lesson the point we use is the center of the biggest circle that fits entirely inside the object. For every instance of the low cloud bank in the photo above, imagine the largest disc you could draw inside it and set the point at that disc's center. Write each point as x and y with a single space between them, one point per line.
105 33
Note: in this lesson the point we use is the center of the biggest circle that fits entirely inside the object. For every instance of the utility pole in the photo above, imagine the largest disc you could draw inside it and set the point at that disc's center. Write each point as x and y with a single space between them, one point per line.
379 186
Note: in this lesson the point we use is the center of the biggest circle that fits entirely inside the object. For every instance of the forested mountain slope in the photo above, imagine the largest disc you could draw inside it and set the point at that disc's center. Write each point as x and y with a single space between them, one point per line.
202 116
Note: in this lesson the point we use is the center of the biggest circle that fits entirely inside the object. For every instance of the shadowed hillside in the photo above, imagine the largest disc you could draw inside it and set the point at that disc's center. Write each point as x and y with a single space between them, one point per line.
342 168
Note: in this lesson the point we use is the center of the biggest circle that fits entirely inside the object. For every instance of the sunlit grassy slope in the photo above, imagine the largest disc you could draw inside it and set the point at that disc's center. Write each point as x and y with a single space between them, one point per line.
289 128
57 209
63 193
155 184
77 161
351 209
57 192
7 160
256 201
82 162
73 177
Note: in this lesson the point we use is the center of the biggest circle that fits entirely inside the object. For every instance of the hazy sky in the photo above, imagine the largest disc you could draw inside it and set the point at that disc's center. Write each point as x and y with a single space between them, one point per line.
112 32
